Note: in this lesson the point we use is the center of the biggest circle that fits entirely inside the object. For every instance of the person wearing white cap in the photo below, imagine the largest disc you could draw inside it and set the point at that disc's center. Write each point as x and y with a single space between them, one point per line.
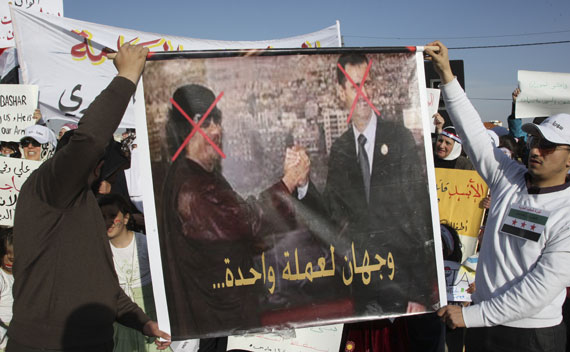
38 143
522 272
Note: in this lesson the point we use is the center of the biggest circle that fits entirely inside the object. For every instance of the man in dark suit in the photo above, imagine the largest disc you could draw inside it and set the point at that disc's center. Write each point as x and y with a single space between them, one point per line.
376 197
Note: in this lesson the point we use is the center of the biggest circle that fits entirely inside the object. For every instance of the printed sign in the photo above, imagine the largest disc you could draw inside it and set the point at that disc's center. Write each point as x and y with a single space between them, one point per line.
433 104
13 173
17 105
459 194
458 279
542 94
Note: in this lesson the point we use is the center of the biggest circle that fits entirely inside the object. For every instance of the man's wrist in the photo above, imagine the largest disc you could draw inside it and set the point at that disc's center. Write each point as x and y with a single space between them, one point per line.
447 76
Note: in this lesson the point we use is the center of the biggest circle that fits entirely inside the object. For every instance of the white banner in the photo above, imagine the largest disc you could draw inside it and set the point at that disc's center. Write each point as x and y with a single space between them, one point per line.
17 105
13 173
53 7
542 94
66 57
318 338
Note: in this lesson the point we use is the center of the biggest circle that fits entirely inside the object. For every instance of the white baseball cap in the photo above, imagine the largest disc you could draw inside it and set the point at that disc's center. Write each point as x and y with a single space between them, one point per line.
555 129
41 134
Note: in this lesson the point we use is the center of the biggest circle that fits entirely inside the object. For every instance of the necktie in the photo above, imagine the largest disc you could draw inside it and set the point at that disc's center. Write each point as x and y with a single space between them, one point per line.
364 165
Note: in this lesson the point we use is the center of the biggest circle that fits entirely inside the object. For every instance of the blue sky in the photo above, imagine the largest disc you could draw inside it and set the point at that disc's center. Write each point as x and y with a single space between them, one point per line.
489 73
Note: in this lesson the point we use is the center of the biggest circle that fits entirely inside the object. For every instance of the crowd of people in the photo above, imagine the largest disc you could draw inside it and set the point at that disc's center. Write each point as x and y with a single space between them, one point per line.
82 276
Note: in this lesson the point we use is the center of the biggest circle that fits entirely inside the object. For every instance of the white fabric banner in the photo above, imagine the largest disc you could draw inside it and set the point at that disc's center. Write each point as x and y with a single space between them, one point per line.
542 94
66 57
53 7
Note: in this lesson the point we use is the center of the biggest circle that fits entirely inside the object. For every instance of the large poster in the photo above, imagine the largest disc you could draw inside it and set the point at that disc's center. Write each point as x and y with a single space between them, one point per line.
67 58
290 189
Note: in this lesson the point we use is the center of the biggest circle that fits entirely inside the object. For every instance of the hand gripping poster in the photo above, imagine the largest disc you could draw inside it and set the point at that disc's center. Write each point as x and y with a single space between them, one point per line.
289 188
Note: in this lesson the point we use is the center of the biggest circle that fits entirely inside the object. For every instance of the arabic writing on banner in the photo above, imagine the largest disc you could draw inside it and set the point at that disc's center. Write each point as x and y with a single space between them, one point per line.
458 278
459 194
13 174
17 105
315 339
67 60
310 272
542 94
48 7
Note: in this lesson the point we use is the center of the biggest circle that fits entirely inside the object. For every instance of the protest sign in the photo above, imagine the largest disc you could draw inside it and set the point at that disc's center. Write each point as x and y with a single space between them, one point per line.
318 338
542 94
458 278
48 7
237 252
67 59
459 194
13 173
17 105
433 104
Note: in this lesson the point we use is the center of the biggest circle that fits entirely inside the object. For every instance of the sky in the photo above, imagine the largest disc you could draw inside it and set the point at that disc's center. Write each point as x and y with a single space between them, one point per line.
490 73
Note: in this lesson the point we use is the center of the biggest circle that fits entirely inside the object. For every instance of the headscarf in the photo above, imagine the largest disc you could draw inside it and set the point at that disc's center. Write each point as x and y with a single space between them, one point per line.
456 151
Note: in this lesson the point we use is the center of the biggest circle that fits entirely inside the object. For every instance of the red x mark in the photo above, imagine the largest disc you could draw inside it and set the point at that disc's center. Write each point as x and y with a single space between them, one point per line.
359 90
197 127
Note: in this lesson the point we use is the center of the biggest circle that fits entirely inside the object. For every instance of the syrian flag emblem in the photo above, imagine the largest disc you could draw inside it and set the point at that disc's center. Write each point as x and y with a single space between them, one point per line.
525 222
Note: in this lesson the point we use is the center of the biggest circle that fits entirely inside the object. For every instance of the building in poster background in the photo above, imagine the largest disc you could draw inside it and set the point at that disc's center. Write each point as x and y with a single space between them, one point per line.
459 194
238 252
67 59
48 7
17 105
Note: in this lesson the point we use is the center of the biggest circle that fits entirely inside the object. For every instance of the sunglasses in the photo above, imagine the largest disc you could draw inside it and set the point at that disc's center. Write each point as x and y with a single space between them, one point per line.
28 140
542 144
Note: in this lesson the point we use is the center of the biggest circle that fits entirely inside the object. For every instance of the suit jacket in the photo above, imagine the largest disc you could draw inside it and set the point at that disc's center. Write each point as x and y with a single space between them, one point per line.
396 220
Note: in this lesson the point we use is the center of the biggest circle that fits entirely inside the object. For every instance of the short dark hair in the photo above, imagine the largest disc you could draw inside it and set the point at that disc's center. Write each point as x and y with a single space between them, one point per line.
6 239
350 59
454 254
111 204
194 100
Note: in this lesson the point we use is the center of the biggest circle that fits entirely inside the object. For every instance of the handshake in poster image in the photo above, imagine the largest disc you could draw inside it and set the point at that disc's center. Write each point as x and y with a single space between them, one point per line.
296 168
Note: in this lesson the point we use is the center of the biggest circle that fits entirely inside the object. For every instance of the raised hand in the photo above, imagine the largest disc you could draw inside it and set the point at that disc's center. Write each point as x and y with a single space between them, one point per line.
440 59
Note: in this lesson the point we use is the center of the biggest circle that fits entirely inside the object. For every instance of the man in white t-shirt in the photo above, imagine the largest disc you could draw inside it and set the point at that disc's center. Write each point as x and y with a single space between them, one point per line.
522 270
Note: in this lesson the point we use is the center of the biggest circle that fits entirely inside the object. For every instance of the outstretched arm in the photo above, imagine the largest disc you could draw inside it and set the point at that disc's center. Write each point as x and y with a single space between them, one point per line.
477 143
71 167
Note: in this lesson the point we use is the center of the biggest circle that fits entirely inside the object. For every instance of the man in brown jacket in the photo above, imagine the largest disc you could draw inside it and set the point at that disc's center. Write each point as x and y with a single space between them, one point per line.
66 292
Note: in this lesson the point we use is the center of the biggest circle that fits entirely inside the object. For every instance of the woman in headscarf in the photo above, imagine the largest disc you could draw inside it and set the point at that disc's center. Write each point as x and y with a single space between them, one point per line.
447 151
